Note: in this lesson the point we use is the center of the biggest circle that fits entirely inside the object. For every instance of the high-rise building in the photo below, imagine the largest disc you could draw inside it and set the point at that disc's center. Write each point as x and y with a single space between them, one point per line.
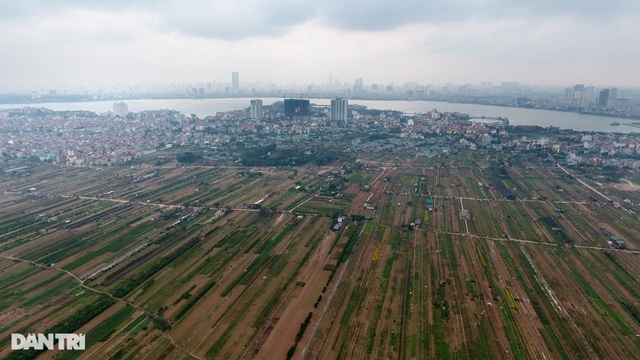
603 98
568 94
256 109
235 81
339 111
589 97
120 109
357 88
295 109
580 95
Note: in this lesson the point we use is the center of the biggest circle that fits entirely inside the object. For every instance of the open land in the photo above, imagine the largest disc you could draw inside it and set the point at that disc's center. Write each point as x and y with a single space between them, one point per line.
398 257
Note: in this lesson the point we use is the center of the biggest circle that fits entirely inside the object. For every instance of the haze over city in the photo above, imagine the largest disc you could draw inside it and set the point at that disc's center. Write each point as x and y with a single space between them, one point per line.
92 43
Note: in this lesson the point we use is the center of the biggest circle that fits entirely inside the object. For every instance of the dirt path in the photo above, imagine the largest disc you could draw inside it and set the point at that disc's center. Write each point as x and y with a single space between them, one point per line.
310 197
585 184
125 201
483 237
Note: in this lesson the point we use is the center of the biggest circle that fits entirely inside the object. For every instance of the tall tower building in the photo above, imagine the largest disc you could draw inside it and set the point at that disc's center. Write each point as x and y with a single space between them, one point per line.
339 111
296 109
120 109
256 109
568 94
235 81
589 97
578 94
603 99
357 88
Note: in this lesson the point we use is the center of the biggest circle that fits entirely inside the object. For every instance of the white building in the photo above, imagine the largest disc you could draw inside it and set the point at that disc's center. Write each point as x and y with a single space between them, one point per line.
120 109
235 81
256 109
339 110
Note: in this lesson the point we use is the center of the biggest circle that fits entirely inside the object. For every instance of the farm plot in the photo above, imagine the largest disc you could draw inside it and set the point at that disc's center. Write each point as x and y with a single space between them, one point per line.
255 270
323 205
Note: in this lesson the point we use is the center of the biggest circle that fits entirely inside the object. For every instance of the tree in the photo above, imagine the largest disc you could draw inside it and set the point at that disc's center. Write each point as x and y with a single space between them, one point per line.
188 157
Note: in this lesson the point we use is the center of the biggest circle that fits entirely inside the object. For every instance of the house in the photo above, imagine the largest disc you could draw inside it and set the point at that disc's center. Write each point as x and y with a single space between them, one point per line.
430 204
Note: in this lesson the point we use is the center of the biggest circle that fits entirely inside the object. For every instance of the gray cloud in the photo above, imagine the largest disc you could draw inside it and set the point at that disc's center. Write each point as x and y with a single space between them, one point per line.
38 9
233 20
384 14
406 40
238 19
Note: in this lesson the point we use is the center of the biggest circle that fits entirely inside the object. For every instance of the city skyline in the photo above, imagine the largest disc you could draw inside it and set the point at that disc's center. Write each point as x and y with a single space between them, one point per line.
351 88
92 43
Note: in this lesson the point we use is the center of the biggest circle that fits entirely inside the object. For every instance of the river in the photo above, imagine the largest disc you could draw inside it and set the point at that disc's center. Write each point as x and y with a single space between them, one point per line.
517 116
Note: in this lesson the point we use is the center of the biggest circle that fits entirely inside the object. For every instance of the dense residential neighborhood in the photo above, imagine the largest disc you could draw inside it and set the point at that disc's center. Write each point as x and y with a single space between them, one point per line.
83 138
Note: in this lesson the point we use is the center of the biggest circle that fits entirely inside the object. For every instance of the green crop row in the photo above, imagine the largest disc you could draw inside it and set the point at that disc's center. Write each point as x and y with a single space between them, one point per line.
194 299
133 281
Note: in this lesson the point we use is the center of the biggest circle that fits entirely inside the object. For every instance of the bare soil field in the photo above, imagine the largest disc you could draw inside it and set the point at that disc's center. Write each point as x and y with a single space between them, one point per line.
208 263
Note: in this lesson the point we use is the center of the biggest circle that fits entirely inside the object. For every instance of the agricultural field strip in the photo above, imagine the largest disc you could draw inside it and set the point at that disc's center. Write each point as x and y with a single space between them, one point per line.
310 197
283 306
345 316
95 272
126 201
182 166
466 222
122 201
7 220
557 304
283 248
303 352
105 342
500 199
573 227
484 237
585 184
377 179
81 282
365 311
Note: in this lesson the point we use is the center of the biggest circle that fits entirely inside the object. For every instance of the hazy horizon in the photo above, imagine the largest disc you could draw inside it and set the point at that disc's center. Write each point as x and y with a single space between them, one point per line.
545 43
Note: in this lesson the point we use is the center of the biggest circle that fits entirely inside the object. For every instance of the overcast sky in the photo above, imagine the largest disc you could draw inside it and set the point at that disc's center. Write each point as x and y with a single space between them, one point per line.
48 44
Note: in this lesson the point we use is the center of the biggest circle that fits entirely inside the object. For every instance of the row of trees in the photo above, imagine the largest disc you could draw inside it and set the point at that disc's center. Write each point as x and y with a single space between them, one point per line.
270 155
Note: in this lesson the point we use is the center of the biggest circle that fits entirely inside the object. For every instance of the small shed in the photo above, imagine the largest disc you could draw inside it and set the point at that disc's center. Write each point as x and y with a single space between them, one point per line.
430 204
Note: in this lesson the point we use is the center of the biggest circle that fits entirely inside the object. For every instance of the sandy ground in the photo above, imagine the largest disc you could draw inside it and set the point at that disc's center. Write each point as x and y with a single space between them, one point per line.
627 186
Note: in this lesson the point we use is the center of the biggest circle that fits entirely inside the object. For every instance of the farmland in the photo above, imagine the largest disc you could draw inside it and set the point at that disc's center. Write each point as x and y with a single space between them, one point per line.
235 262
